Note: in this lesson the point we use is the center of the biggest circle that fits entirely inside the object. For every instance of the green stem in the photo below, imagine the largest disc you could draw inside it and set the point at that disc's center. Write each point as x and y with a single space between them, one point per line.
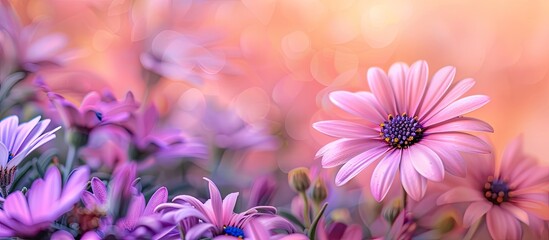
4 192
472 230
71 156
404 199
306 217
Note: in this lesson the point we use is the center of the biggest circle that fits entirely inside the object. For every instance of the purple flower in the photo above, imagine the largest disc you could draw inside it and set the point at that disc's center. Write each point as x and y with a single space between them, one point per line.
411 125
17 141
47 200
215 218
93 112
162 144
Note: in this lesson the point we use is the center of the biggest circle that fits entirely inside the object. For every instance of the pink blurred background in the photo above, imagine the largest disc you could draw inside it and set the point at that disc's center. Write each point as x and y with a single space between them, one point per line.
281 58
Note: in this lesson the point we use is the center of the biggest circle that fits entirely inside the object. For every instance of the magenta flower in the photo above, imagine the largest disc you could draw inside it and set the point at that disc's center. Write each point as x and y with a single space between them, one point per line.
412 125
46 201
17 141
507 195
215 218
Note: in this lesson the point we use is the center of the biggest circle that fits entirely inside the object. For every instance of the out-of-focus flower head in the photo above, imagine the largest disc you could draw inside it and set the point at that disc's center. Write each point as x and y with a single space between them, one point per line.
17 141
121 208
338 230
46 201
515 191
412 125
229 131
181 57
164 145
216 219
262 191
92 113
23 49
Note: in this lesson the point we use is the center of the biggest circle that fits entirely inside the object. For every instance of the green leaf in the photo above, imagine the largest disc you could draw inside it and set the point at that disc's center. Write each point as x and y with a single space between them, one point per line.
312 230
291 218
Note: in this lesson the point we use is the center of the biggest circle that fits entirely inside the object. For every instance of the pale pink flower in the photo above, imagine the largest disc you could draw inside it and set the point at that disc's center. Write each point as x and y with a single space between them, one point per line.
514 192
412 125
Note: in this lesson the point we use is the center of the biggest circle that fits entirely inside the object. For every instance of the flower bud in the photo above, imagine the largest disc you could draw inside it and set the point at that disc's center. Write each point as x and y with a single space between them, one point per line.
445 223
299 179
320 192
391 212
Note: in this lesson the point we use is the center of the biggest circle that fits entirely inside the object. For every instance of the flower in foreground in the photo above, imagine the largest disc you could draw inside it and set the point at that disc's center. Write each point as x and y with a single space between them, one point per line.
411 124
46 201
512 193
215 218
17 141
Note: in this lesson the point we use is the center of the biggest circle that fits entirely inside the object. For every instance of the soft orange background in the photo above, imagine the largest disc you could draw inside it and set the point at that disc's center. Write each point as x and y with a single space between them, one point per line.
283 57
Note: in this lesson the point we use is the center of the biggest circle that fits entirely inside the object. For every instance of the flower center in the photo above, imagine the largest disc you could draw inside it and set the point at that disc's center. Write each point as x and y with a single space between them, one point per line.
10 156
401 131
99 116
233 231
496 190
6 176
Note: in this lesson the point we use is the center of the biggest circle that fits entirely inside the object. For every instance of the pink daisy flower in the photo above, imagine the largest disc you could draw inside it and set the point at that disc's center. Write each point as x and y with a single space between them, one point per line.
514 192
411 124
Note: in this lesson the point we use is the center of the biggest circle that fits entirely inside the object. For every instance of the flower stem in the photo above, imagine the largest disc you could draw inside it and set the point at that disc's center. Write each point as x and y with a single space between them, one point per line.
306 207
404 199
4 192
71 156
472 230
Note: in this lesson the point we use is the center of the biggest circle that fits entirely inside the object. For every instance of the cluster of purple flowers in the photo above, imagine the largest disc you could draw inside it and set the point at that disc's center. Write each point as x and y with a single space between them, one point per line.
128 174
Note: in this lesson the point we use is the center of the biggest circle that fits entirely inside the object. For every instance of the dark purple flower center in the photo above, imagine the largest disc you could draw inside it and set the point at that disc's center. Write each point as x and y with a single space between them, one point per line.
233 231
99 116
10 156
401 131
496 190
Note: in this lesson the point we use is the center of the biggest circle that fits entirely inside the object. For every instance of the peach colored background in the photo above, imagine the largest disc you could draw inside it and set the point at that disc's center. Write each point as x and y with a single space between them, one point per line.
284 56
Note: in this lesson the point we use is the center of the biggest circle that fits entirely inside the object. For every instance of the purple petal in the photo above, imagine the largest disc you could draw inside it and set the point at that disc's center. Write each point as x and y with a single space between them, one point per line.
358 163
196 204
199 231
457 91
458 108
23 132
75 185
135 209
160 196
397 76
99 190
416 82
426 162
253 230
345 129
89 200
16 206
475 211
8 127
341 150
4 155
358 106
62 235
228 206
414 184
381 88
384 174
438 86
217 203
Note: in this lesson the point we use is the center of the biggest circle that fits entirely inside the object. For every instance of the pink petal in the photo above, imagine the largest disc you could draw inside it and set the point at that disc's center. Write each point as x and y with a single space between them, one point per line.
384 174
89 200
460 194
217 203
353 232
52 182
416 82
502 225
159 197
381 88
458 108
426 162
253 230
438 85
397 77
461 124
75 185
358 106
515 211
228 206
99 190
453 161
135 209
475 211
457 91
358 163
199 231
340 151
16 207
462 142
345 129
512 153
414 184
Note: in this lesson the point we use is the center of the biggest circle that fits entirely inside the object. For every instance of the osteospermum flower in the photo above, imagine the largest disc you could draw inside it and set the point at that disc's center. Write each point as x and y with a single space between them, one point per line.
17 141
412 125
215 218
46 201
514 192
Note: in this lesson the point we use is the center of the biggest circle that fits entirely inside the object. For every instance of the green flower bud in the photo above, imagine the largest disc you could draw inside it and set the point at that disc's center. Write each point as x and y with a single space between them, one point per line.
390 213
299 179
320 192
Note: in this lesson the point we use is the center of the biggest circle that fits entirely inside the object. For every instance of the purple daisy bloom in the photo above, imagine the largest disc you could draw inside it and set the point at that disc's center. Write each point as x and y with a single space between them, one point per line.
17 141
47 200
215 218
412 125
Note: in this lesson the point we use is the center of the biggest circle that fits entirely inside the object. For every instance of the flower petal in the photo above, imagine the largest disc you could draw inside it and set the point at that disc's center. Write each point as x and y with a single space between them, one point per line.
4 155
228 206
16 206
159 197
438 86
462 142
345 129
342 150
461 124
453 161
475 211
515 211
358 106
414 184
501 225
199 231
458 108
426 162
457 91
381 88
397 76
356 164
416 82
460 194
217 203
99 189
384 174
